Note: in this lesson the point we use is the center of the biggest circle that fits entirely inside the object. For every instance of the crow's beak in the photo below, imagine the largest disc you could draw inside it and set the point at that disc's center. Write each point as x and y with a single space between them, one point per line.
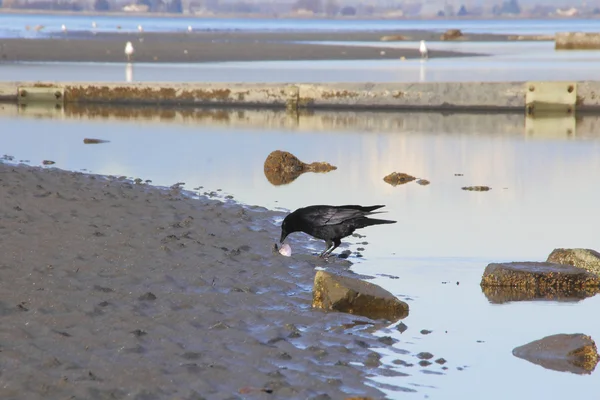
283 236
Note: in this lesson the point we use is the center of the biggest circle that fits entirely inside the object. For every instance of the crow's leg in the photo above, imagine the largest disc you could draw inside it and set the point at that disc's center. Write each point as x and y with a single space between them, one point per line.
328 244
336 243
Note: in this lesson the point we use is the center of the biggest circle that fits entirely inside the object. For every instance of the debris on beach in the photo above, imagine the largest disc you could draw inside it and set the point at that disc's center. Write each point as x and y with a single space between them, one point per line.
282 167
451 34
477 188
575 353
285 250
94 141
334 292
423 182
398 178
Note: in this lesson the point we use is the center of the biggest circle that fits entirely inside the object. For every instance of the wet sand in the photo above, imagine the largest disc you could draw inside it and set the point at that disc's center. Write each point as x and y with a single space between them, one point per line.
118 290
208 47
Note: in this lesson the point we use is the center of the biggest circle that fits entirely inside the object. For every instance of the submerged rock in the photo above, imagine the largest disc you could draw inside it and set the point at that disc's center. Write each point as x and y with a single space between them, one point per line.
539 275
581 258
354 296
282 167
398 178
574 353
451 34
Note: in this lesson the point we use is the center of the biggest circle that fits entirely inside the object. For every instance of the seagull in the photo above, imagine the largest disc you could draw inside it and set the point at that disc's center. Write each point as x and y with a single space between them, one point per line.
423 50
189 28
64 28
140 28
129 50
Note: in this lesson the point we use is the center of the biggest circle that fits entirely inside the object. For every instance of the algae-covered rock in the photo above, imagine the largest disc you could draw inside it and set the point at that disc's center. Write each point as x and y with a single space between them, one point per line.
574 353
282 167
540 275
581 258
398 178
354 296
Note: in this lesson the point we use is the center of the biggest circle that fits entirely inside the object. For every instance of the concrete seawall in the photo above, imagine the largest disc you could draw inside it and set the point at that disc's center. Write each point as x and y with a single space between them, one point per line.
520 97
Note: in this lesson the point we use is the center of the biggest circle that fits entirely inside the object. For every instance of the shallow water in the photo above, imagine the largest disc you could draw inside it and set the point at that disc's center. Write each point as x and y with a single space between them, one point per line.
13 25
544 195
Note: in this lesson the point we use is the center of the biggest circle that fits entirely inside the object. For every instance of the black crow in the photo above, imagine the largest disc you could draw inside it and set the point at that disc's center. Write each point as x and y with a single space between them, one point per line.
330 223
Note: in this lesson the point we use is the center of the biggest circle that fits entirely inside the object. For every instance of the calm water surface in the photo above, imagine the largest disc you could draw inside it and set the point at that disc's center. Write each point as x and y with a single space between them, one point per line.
13 25
544 195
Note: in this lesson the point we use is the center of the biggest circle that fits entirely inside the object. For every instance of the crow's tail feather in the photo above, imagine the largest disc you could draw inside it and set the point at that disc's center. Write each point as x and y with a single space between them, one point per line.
364 222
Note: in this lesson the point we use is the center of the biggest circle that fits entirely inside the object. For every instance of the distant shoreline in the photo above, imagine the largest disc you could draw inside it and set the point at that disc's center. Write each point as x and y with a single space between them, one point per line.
287 16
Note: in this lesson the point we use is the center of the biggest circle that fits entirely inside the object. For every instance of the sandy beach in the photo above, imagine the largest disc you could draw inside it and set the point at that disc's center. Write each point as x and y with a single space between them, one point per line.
211 47
121 290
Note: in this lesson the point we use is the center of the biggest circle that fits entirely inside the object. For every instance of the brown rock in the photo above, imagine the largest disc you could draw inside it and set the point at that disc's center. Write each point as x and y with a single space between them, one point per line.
281 167
398 178
354 296
574 353
451 34
538 275
581 258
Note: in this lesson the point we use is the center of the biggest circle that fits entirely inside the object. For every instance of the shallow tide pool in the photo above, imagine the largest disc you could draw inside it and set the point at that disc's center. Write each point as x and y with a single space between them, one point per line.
544 195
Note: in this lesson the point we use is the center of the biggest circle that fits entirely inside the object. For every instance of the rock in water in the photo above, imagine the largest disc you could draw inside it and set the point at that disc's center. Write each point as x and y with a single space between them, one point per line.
538 276
398 178
574 353
281 167
354 296
285 250
581 258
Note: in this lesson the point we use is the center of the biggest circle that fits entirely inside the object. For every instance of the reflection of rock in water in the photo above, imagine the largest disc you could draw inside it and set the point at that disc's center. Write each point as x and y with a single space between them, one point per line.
282 167
398 178
576 353
499 294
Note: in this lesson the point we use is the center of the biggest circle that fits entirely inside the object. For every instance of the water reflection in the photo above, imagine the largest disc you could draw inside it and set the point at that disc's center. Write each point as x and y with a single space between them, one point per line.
501 295
129 72
539 127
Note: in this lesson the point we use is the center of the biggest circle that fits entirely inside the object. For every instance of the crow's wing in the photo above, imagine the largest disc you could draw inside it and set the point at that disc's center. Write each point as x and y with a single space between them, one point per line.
324 215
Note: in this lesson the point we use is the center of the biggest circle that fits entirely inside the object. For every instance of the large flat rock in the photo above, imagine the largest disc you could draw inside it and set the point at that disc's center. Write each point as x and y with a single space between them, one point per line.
582 258
574 353
538 274
354 296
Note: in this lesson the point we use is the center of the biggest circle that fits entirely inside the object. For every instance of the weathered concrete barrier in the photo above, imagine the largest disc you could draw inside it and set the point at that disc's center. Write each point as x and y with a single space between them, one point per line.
533 97
577 41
